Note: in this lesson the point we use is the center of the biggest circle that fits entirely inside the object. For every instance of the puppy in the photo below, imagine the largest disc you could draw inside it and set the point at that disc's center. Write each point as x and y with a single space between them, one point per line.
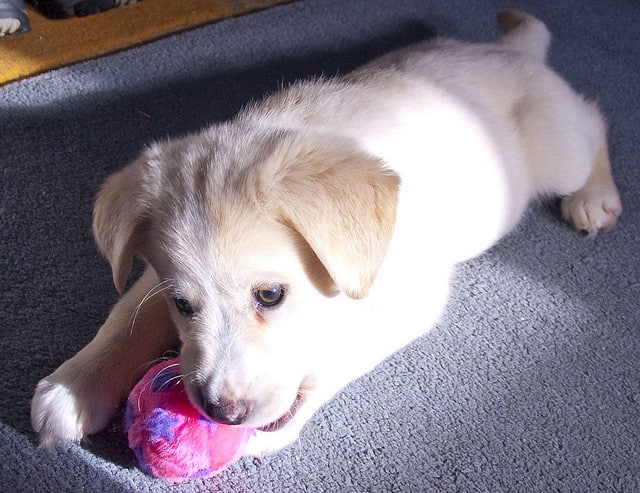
293 248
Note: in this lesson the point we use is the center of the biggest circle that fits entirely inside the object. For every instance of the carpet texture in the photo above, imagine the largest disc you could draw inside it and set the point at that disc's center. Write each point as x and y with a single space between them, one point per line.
53 43
530 382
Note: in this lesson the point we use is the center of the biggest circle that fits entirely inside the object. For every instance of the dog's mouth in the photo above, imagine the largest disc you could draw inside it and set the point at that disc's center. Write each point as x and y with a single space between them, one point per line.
286 417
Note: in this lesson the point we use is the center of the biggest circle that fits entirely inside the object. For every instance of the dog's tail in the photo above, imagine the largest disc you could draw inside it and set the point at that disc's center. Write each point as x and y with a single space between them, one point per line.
523 32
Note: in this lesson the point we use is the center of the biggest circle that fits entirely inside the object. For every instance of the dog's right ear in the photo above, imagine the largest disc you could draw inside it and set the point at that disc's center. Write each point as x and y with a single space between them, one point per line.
341 200
119 218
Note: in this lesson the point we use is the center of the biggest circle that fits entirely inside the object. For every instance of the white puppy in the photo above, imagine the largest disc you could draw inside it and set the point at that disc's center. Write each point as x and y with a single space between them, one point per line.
293 248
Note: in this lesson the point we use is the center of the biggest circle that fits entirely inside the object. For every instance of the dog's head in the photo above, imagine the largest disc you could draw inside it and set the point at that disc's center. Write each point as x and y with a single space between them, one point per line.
253 235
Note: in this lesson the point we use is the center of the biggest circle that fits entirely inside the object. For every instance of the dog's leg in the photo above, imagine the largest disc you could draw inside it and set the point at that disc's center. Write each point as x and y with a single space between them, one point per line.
84 393
597 204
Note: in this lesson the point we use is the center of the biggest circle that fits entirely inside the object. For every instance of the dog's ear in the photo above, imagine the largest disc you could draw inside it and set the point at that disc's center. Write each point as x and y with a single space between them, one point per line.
343 203
118 220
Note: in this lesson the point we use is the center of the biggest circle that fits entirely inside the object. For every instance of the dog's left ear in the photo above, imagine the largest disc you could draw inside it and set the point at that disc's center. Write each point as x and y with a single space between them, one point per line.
342 202
118 219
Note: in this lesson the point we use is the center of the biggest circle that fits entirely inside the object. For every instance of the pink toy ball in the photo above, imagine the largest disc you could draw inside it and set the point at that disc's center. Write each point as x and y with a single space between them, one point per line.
169 436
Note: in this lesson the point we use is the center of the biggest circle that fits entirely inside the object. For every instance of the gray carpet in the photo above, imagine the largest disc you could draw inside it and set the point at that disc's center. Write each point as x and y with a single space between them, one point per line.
529 383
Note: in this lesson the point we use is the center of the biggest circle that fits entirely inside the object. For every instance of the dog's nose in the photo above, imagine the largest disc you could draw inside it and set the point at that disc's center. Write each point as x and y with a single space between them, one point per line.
228 411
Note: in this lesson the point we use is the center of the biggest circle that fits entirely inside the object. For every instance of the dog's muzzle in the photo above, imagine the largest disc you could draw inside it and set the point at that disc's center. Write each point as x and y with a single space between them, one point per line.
224 410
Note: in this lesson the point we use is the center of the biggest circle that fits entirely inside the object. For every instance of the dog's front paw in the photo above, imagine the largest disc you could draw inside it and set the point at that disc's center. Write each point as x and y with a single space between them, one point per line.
55 414
592 209
68 405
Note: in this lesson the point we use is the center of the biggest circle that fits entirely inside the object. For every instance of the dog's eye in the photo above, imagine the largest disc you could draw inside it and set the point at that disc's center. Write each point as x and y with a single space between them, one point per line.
183 306
269 296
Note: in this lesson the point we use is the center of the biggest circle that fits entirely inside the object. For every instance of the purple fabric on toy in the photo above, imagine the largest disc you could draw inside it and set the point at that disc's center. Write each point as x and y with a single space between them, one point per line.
169 436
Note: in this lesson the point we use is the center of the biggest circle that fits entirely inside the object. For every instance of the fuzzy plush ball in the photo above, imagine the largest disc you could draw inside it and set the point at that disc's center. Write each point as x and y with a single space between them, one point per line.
170 438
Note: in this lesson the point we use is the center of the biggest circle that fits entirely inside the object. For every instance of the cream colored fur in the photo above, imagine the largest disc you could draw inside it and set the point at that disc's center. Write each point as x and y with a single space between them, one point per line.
356 196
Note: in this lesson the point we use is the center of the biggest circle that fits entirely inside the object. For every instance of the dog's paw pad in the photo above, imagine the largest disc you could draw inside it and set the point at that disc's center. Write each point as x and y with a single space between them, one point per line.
592 210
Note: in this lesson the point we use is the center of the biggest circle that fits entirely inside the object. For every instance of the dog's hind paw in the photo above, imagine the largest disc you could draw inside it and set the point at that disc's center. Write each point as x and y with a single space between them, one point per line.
592 209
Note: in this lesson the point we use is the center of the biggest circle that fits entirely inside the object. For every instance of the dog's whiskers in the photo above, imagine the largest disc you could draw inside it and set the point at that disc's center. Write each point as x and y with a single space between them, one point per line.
191 377
155 290
174 380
